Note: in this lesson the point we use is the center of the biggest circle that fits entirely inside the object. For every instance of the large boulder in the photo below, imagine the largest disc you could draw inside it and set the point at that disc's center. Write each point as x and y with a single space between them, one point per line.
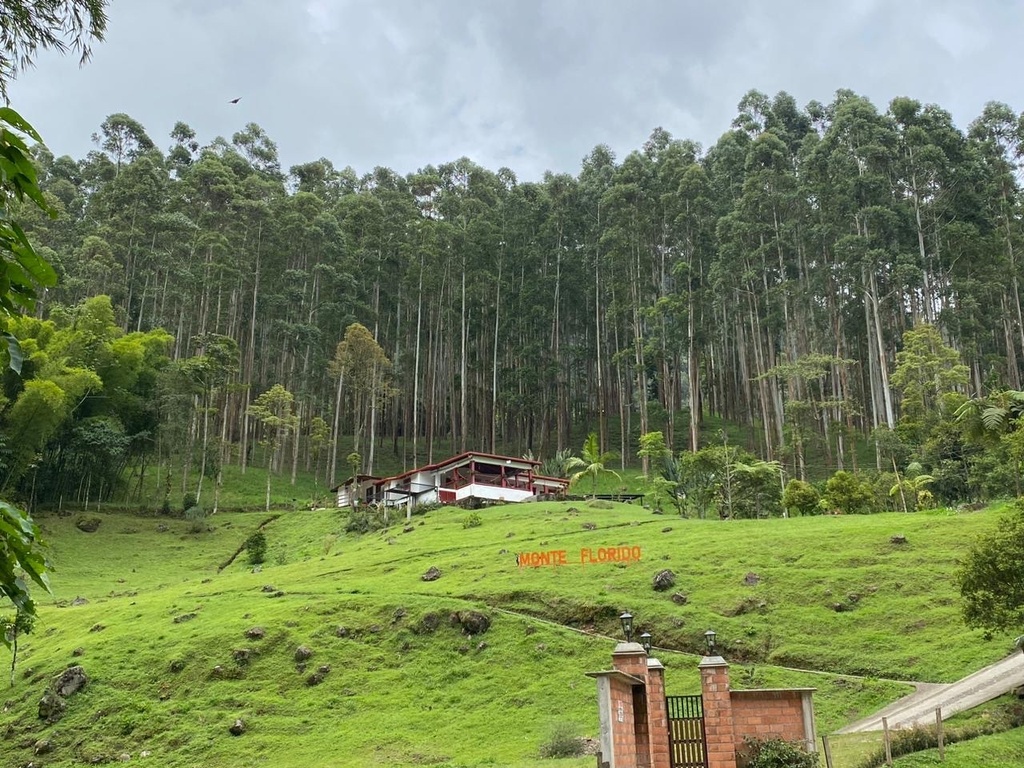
664 580
472 622
70 681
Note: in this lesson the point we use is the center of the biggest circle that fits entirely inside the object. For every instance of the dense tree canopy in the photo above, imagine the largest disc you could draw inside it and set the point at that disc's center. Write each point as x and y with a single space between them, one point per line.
826 277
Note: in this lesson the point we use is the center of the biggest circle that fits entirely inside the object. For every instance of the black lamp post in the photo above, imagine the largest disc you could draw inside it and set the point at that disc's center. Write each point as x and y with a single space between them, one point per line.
645 641
709 639
627 625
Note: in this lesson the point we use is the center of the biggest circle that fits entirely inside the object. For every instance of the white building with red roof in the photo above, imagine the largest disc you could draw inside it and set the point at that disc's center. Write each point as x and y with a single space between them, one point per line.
470 475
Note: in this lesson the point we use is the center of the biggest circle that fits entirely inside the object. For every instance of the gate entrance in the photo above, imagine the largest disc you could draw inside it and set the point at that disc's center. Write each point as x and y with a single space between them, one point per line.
687 740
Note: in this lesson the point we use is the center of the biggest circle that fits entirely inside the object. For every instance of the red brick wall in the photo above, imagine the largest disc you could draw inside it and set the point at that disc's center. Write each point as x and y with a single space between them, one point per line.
623 735
768 715
718 719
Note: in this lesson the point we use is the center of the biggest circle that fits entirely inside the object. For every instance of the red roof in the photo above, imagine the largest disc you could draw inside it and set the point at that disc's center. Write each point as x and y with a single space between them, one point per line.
455 460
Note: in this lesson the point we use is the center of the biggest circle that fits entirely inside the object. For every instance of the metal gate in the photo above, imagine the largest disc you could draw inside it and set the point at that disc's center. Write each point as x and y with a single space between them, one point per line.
686 736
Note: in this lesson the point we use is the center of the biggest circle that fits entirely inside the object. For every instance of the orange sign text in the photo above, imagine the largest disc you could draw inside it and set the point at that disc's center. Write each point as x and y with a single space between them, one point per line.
585 556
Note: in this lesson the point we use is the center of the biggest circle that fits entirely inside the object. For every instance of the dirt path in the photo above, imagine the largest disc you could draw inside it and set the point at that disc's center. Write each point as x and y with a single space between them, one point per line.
919 707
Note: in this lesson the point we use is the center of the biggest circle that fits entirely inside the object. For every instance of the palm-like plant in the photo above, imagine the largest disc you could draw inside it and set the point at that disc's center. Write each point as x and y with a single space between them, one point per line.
986 419
591 464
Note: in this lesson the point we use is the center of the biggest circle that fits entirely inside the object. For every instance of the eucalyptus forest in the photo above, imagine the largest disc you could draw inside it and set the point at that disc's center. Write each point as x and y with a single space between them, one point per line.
841 281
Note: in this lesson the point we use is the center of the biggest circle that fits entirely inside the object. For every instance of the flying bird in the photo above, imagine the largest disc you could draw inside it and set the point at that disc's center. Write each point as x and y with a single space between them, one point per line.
235 101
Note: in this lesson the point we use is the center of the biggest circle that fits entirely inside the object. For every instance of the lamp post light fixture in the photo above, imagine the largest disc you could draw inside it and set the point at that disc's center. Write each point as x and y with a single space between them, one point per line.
645 641
709 639
627 625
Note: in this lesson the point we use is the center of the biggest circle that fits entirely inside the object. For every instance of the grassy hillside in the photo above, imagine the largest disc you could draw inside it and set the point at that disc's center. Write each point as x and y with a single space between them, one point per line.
407 687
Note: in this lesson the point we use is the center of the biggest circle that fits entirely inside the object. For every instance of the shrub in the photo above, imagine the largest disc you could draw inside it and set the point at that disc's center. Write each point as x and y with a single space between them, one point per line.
848 493
256 546
366 518
188 501
776 753
166 509
562 741
800 496
472 520
196 516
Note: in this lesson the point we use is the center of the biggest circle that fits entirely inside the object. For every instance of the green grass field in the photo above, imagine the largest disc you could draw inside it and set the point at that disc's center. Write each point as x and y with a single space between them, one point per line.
406 687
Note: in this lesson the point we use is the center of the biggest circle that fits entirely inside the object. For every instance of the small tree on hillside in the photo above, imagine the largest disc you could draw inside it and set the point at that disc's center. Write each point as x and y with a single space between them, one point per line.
364 372
592 463
273 409
990 578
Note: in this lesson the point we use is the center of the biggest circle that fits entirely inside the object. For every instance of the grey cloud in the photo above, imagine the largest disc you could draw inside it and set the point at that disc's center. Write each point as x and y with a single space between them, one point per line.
530 84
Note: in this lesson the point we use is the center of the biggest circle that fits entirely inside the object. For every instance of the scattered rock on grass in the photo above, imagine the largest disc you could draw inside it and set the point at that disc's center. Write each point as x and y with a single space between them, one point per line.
303 653
256 633
751 579
433 574
679 598
238 727
472 622
88 524
70 681
899 539
664 580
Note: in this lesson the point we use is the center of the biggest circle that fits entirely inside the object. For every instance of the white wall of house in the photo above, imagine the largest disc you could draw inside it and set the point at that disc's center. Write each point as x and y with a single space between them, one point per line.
491 492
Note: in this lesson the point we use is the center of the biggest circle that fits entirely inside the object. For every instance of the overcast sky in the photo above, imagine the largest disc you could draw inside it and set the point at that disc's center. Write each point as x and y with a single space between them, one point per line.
528 84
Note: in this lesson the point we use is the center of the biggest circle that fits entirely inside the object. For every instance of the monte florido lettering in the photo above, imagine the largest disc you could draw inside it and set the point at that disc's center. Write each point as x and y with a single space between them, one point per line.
585 556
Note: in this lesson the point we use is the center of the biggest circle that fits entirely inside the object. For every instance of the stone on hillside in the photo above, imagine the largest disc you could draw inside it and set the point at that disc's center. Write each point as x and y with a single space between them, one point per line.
900 539
430 622
472 622
679 598
341 632
52 707
667 529
79 601
751 579
840 607
588 526
664 580
42 747
303 653
88 524
97 628
70 681
268 588
256 633
408 529
78 652
433 574
237 728
184 617
125 757
318 677
241 656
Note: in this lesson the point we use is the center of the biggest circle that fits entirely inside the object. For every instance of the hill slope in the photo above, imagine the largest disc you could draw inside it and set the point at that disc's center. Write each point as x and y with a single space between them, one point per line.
393 680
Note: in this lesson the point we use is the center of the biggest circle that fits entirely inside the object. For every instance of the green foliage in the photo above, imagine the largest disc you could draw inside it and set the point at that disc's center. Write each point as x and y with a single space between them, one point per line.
592 463
366 518
188 501
20 553
563 740
801 497
256 547
196 516
990 577
472 520
777 753
849 493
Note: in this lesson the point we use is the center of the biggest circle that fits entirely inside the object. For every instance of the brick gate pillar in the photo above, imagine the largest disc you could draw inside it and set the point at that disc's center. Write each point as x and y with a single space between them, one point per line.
718 722
631 659
657 714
